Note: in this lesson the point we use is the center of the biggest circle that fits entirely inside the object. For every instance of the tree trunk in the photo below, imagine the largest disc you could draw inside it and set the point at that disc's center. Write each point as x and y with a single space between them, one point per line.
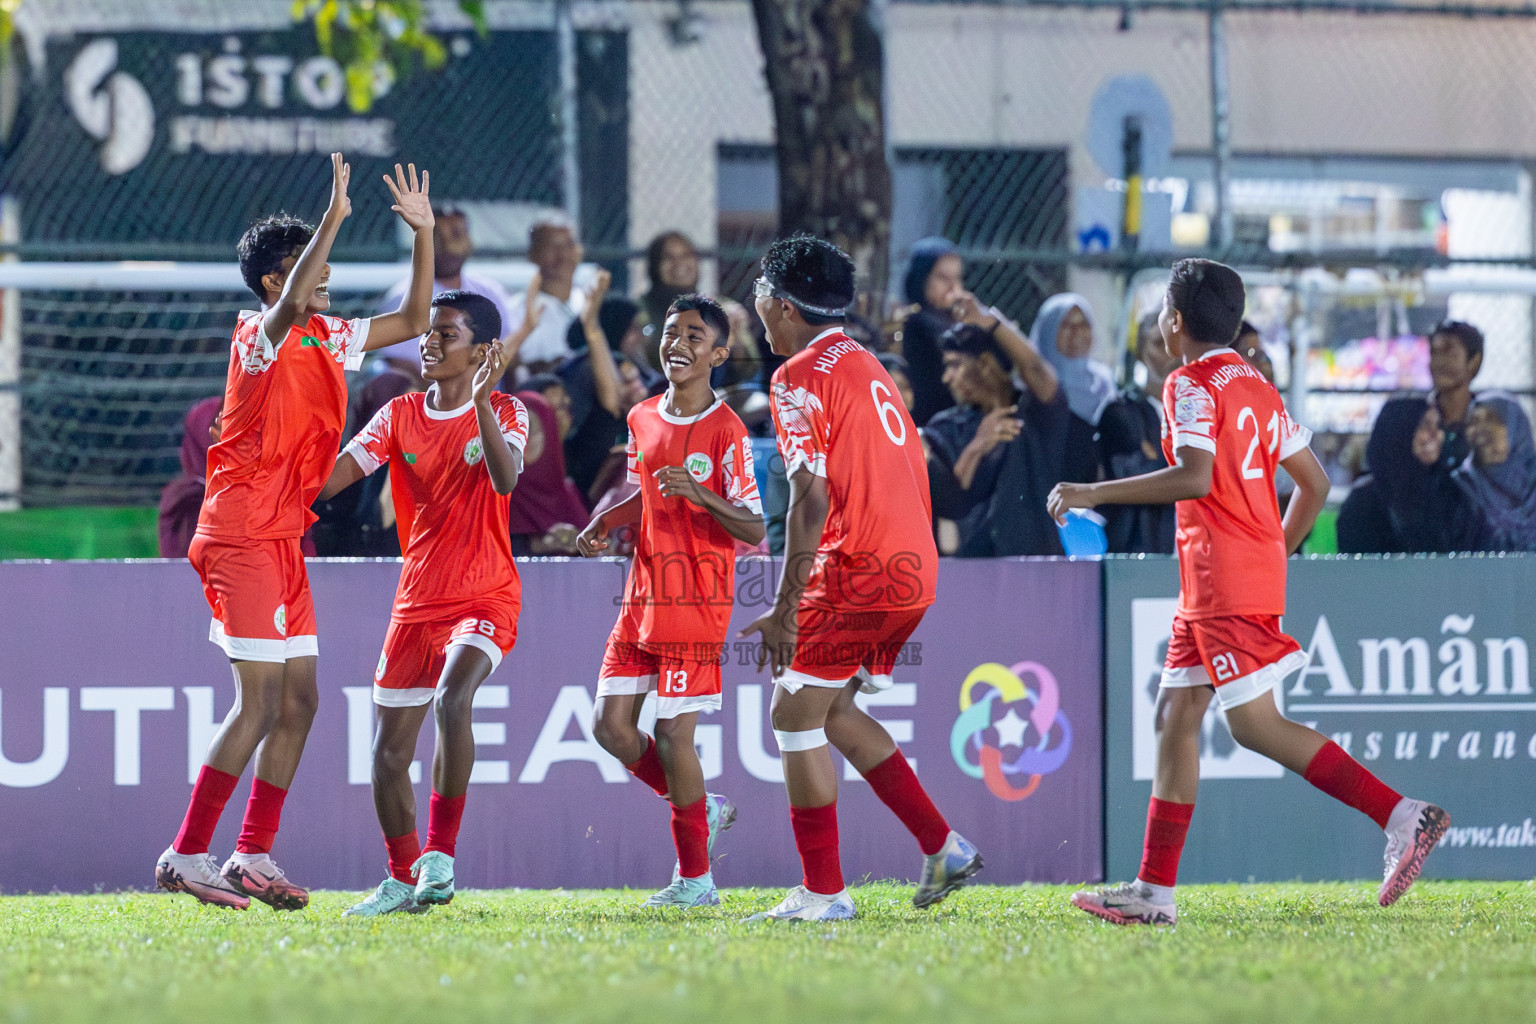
825 67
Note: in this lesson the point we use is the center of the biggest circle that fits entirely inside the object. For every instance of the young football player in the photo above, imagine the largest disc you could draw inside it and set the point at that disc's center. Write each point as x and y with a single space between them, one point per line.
1225 431
454 454
692 458
285 404
860 570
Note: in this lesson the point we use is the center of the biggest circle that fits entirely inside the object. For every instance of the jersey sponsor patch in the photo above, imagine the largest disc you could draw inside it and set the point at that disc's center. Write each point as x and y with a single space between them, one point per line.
699 465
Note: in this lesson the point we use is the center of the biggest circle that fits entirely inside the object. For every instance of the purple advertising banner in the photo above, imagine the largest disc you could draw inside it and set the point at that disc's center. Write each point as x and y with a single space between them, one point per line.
110 692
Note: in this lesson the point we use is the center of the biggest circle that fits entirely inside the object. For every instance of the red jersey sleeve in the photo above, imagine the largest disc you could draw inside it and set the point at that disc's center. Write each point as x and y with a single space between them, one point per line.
739 475
345 339
1293 436
800 423
512 415
371 445
253 348
1191 414
631 452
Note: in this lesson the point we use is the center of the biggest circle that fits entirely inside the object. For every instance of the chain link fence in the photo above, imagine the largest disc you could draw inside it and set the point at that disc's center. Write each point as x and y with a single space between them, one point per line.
1366 139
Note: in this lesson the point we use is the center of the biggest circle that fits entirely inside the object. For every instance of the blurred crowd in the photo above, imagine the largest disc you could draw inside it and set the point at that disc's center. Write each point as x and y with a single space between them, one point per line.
1004 416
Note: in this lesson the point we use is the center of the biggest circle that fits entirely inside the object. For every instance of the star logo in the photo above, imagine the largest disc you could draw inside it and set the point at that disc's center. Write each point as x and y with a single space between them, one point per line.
1042 736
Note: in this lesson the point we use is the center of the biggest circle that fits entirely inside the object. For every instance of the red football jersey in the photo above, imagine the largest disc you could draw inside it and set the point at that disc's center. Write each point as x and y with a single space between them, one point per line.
284 409
838 414
1231 544
452 523
682 582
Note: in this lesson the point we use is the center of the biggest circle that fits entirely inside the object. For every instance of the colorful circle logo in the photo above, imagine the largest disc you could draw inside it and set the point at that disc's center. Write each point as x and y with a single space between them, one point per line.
1043 736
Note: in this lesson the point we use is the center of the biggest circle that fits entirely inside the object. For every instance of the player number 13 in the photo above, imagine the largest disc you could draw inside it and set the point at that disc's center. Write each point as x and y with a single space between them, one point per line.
888 413
674 680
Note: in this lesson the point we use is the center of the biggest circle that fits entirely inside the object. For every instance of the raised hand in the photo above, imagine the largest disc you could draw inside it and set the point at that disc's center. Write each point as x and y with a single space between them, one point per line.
533 305
412 199
595 299
341 177
489 372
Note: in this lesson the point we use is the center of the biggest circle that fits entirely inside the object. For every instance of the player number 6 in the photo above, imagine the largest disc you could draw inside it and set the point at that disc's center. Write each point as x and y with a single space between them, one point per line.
888 413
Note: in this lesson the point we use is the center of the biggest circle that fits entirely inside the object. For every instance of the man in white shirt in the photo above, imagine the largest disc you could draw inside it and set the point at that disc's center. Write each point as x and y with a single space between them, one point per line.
553 248
452 247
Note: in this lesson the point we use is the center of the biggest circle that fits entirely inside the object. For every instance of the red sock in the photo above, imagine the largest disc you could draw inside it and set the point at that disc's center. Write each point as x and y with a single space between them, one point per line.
1342 777
209 795
894 782
690 834
262 813
443 822
648 769
403 852
816 839
1167 825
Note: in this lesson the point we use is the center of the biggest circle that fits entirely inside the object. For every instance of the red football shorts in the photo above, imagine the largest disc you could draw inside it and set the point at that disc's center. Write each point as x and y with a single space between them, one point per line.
1242 656
684 683
415 653
259 593
836 645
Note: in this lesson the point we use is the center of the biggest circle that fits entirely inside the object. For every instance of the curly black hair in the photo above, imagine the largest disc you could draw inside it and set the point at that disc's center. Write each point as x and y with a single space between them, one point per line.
266 244
811 271
712 312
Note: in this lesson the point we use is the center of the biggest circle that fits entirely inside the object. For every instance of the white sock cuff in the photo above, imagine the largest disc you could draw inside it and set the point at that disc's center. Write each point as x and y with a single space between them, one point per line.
794 742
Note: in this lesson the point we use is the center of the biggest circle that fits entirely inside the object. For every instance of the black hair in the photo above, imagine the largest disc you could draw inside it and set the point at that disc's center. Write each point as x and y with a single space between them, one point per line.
1245 328
657 249
539 382
265 244
894 364
712 312
811 272
1210 297
1470 337
479 312
971 340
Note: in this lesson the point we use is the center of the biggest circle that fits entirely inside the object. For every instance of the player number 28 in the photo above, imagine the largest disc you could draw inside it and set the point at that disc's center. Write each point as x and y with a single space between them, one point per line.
890 416
674 680
1250 471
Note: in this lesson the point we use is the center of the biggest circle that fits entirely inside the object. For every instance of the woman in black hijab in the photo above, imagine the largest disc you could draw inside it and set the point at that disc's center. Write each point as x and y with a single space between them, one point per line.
934 275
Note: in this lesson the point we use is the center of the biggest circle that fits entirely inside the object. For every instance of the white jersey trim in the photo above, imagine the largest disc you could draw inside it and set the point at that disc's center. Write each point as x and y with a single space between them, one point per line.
413 697
484 644
243 649
683 421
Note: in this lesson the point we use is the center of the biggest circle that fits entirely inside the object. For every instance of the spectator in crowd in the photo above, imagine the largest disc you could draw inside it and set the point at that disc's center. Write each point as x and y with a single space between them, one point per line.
1063 335
359 522
182 499
671 269
1409 503
552 389
601 387
1251 347
553 248
995 455
1499 477
901 376
1130 443
740 378
451 249
935 274
546 507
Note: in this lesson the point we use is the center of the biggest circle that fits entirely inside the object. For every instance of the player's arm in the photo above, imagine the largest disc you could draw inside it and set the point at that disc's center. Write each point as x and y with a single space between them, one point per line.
501 462
413 318
1189 477
594 539
605 372
310 266
741 523
809 505
1312 487
346 473
1037 374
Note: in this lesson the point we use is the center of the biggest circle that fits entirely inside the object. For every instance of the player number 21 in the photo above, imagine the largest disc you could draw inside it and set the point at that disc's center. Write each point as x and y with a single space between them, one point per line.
889 415
1250 471
674 680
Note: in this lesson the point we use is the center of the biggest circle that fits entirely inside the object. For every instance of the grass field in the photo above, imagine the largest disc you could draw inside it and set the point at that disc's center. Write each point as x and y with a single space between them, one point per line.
1449 952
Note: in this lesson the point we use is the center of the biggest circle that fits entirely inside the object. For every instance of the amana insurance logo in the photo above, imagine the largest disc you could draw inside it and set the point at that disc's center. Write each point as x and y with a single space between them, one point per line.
1030 740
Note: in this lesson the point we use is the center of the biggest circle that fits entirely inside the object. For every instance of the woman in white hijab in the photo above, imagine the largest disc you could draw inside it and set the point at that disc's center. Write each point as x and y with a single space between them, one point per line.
1063 335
